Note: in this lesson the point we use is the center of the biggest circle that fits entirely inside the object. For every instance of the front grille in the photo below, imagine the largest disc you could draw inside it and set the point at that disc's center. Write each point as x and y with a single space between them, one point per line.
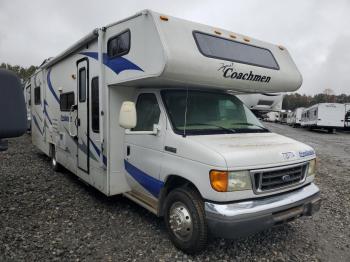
273 179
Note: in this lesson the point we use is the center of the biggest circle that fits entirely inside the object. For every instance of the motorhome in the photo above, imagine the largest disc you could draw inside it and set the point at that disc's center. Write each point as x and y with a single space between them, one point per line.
283 116
262 102
328 116
144 107
272 117
296 117
290 117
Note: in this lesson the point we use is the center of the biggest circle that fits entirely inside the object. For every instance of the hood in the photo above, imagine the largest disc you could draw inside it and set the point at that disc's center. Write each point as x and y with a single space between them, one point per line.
256 150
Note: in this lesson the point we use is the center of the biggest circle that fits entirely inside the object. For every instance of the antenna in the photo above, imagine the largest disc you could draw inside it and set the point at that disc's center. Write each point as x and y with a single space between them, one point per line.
184 134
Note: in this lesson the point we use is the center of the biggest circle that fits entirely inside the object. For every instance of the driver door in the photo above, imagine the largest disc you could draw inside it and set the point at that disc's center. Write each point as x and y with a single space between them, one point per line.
144 152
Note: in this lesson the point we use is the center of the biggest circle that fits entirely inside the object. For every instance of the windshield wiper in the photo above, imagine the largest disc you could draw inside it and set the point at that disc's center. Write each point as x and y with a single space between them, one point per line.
220 127
251 124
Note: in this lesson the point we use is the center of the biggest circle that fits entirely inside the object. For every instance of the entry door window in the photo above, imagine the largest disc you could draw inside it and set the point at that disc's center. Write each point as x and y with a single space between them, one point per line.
148 112
82 85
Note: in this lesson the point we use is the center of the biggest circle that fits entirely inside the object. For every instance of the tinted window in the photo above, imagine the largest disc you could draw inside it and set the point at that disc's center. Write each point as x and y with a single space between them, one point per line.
95 116
148 112
119 45
66 101
82 85
225 49
37 95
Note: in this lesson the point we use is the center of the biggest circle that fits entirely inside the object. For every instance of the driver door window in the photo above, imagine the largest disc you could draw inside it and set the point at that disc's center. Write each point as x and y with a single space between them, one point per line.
148 112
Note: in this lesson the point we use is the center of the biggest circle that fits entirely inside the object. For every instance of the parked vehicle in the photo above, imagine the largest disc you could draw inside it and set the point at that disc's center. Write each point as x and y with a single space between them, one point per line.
329 116
262 102
296 117
144 107
272 117
290 116
347 116
283 116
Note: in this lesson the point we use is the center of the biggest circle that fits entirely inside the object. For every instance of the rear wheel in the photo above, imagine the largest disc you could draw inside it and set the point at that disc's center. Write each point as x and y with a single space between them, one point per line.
54 164
185 220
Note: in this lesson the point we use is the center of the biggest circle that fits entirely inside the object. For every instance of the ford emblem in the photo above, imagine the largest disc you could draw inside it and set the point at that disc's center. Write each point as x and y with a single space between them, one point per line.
286 178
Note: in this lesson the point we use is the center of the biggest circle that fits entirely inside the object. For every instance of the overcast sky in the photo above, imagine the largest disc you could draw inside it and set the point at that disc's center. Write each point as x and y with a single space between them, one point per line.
316 32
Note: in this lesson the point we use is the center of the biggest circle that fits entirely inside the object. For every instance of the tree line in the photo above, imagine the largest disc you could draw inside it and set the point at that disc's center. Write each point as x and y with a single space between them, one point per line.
295 100
22 72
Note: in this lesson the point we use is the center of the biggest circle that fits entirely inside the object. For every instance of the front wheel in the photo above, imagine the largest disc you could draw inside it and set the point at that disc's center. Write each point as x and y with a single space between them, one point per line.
54 164
185 220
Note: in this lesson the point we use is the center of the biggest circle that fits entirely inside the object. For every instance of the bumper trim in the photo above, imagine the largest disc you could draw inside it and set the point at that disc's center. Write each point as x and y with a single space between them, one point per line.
246 217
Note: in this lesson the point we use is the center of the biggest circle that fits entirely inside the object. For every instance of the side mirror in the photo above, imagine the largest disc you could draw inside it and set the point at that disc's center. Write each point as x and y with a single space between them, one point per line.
127 115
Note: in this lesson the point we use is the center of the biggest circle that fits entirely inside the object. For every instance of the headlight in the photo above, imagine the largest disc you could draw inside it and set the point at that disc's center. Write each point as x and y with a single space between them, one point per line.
223 181
239 180
312 168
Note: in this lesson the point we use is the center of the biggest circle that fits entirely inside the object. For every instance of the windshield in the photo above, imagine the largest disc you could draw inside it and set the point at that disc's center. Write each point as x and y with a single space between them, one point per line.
209 113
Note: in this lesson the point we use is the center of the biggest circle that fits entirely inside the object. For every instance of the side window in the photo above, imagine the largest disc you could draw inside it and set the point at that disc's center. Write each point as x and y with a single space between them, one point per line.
119 45
37 98
82 84
148 112
66 101
95 116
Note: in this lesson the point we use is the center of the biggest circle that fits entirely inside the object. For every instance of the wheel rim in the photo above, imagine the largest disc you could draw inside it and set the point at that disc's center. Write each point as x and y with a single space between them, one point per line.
180 221
54 162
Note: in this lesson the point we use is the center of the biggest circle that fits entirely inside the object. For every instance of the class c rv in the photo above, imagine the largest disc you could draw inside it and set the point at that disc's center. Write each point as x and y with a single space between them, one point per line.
145 107
262 103
296 117
328 116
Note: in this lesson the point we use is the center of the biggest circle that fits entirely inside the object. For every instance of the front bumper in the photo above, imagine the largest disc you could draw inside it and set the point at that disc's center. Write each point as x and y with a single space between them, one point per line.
243 218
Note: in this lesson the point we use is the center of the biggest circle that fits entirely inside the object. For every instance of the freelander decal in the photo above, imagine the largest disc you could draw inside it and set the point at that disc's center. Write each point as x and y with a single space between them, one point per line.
117 64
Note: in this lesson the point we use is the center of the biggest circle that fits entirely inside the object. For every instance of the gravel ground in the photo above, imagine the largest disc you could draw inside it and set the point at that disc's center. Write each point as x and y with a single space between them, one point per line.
53 216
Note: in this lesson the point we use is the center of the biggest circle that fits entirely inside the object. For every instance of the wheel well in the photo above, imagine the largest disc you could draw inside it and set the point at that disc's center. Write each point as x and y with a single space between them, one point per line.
172 182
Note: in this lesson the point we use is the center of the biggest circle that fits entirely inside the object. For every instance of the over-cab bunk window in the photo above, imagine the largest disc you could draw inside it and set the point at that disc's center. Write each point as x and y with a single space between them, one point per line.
119 45
225 49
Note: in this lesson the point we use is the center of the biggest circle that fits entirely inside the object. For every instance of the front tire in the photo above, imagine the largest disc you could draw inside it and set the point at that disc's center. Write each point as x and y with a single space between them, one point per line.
185 220
54 164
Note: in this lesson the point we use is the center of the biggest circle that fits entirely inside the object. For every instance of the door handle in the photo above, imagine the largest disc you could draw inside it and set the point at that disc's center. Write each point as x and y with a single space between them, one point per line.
128 150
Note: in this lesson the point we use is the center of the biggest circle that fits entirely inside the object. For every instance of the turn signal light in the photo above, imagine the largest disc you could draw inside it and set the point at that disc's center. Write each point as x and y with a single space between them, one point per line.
219 180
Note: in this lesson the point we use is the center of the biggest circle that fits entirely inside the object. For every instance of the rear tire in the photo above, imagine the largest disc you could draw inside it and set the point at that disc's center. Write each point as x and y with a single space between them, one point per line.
185 220
54 164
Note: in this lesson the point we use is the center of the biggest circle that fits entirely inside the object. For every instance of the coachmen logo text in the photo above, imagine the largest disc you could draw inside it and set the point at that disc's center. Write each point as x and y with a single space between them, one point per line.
229 71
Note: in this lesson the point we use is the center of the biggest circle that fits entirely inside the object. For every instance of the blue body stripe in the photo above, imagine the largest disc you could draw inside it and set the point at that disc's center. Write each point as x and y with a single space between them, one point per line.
98 151
51 88
37 124
45 111
151 184
117 64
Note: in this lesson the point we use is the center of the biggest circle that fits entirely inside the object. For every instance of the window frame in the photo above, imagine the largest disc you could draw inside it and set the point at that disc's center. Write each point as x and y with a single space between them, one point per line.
37 102
66 94
160 111
116 36
233 60
98 109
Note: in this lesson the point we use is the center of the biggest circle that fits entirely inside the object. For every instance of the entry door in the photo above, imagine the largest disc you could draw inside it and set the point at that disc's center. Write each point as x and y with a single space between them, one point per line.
83 114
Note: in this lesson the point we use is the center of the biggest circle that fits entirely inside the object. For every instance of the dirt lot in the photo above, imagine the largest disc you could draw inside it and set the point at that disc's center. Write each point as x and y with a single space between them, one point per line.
53 216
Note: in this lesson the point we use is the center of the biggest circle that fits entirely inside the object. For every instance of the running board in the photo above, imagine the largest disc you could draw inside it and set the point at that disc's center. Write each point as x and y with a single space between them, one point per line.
143 200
